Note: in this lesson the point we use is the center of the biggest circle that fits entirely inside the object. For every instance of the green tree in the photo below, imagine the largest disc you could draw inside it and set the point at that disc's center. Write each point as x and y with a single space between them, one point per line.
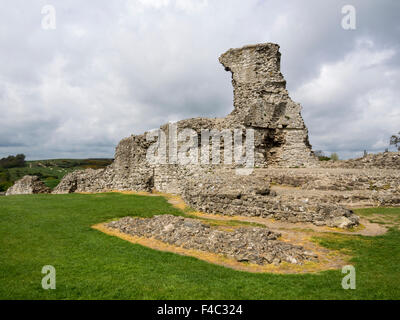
321 156
395 141
13 161
334 156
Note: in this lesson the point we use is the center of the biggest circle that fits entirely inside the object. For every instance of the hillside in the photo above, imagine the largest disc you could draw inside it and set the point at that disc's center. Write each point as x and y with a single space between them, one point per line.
49 171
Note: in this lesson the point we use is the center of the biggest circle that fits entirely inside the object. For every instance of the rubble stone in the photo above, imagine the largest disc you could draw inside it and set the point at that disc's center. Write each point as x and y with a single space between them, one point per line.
244 244
261 103
28 185
383 160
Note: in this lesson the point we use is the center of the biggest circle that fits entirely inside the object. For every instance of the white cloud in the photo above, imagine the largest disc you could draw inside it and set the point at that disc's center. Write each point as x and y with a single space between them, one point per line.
353 104
188 6
359 69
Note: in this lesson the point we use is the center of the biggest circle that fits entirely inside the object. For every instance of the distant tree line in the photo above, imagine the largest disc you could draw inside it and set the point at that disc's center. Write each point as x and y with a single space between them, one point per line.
13 161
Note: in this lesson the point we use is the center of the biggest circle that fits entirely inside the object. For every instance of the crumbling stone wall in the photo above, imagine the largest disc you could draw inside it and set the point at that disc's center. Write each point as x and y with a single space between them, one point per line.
88 180
383 160
347 187
261 103
252 196
28 185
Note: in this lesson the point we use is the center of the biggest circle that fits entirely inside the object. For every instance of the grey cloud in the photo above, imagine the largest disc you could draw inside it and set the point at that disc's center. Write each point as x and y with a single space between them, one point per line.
113 68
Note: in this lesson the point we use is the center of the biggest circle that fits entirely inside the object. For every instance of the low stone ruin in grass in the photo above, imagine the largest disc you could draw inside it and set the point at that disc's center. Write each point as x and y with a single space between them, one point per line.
244 244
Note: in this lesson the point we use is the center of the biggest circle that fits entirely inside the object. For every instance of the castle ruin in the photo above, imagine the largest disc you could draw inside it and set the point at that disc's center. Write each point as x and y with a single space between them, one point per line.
261 103
280 181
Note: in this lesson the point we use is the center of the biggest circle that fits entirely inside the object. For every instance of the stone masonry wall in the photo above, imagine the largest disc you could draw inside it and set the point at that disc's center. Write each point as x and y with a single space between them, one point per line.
261 103
28 185
383 160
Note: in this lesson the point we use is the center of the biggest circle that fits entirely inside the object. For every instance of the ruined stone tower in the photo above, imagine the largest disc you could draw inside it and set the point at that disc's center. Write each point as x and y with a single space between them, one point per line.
262 102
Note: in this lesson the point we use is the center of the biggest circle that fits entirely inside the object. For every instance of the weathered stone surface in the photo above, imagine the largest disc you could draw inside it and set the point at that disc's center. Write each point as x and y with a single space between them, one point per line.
28 185
88 180
261 103
251 195
244 244
281 137
347 187
383 160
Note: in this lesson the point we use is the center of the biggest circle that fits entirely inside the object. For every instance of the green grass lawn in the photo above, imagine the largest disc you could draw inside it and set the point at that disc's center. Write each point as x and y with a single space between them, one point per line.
38 230
386 216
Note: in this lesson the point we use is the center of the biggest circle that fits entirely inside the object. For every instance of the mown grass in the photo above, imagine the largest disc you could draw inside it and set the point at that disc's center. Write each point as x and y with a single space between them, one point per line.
386 216
38 230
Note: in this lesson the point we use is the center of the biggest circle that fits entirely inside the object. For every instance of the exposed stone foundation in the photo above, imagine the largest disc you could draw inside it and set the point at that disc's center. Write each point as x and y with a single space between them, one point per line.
245 244
252 196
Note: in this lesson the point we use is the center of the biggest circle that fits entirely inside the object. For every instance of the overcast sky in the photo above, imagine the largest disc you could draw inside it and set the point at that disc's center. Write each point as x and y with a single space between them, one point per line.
115 68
